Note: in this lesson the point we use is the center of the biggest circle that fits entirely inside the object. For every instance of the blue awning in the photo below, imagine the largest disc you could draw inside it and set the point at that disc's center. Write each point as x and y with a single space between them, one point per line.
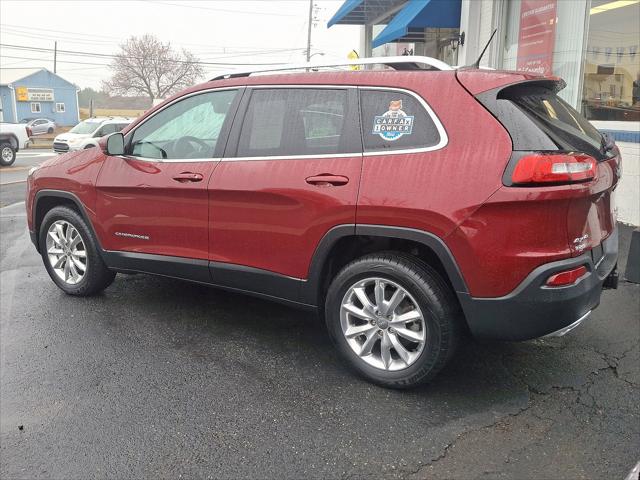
365 12
420 14
346 8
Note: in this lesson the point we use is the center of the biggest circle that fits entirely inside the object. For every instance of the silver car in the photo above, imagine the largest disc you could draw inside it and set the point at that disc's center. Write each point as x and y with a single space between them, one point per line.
39 126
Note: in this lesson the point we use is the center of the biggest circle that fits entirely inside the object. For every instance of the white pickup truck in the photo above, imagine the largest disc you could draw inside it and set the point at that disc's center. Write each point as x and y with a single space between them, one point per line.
13 137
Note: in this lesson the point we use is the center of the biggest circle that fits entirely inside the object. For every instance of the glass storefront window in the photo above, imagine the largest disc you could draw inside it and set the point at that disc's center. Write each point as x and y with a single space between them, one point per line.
611 88
547 37
593 45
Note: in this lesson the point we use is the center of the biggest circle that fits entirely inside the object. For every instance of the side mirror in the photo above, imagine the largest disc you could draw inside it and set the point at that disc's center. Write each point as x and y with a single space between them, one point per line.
115 144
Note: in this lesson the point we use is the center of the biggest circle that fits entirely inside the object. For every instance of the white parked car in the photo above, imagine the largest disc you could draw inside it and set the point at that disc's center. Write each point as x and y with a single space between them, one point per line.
87 133
13 137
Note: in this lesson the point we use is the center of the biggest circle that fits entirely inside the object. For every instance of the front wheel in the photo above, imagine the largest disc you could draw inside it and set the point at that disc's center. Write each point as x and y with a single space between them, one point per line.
393 319
7 155
70 254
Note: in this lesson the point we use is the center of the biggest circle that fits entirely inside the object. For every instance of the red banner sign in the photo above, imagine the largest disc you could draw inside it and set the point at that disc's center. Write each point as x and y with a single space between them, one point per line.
537 36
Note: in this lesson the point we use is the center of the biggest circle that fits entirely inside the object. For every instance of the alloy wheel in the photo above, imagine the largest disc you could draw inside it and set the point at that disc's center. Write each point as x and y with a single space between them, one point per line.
383 324
67 252
7 154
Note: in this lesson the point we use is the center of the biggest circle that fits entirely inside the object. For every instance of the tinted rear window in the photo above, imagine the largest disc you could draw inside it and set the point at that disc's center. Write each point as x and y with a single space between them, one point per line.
298 121
393 120
559 121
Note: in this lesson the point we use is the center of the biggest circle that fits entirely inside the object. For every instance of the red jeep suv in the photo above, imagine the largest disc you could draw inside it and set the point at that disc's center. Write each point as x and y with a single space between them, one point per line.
405 206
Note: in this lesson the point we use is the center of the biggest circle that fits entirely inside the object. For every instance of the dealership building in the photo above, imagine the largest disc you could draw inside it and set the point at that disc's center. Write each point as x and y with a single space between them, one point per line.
592 44
35 93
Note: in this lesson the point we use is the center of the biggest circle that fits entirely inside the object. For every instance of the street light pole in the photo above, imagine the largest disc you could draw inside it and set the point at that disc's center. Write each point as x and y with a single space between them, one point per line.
309 30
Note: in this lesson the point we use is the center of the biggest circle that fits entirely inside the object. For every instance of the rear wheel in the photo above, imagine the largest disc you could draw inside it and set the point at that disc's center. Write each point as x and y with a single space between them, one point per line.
393 318
7 154
50 130
70 254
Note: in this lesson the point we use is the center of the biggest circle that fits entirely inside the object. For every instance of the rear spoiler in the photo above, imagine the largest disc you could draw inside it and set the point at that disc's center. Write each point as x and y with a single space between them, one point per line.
479 81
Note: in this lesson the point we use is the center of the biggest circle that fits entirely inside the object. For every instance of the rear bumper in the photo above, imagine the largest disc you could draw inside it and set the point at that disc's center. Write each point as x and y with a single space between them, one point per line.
533 310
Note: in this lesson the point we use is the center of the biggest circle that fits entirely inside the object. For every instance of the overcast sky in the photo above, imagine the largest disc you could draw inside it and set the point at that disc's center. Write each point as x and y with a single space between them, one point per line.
215 31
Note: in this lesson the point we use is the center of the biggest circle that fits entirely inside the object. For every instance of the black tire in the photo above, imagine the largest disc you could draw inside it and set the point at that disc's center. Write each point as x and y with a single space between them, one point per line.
97 276
443 321
7 154
50 130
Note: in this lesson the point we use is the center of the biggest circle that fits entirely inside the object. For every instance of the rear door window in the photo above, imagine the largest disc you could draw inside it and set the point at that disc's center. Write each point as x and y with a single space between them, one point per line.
393 120
299 121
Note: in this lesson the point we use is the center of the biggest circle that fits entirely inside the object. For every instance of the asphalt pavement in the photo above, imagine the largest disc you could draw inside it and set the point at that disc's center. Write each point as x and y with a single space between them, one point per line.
25 159
158 378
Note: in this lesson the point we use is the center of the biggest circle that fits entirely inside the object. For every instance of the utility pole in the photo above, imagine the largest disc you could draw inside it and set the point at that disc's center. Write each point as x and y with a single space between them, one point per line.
55 56
309 30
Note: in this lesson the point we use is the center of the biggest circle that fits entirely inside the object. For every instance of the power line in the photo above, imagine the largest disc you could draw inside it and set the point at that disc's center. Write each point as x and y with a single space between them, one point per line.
219 50
59 61
245 12
92 38
274 51
110 56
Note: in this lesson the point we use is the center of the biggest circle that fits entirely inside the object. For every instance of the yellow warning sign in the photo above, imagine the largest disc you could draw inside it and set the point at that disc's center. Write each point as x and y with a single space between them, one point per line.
22 94
353 55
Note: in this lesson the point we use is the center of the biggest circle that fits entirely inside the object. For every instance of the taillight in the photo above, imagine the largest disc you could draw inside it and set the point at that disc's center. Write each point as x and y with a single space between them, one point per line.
29 132
568 277
553 168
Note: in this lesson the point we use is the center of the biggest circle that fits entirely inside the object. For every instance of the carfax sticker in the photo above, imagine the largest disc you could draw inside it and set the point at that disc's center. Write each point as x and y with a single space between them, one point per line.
394 123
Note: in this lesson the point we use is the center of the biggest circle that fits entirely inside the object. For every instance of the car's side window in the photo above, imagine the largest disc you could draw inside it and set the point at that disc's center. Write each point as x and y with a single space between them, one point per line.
186 129
107 129
393 120
296 121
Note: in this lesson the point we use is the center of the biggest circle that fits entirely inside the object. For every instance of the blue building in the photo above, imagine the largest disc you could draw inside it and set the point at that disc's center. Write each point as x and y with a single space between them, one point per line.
37 92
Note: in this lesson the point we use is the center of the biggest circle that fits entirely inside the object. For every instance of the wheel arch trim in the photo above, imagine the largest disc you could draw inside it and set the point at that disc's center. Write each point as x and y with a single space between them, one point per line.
46 193
431 241
12 139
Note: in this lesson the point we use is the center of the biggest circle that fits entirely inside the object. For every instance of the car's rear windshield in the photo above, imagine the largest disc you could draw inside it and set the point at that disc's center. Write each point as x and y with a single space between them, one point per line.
563 124
85 127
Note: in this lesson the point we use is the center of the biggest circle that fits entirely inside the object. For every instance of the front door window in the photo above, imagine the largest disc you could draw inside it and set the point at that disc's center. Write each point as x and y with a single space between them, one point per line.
188 129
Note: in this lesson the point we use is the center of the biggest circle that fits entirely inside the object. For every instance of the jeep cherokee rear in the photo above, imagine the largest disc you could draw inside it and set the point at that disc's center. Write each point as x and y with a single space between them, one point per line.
403 206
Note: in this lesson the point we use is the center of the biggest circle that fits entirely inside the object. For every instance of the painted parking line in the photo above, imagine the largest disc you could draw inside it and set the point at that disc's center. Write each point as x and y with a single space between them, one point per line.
17 169
35 154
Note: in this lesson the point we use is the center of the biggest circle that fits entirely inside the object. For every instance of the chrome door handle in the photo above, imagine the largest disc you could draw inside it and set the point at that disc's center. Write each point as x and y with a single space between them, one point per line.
327 179
187 177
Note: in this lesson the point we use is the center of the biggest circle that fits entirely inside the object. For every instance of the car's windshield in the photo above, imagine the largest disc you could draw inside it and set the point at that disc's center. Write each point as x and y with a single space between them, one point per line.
85 127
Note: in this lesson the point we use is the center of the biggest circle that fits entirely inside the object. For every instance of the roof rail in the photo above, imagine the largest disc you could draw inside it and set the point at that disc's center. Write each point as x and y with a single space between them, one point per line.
405 62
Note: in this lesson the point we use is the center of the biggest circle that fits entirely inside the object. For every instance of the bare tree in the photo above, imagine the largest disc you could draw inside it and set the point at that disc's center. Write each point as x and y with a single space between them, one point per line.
146 66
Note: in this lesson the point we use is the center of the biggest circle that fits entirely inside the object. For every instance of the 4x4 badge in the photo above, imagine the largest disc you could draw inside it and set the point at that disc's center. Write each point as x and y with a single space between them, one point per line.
394 123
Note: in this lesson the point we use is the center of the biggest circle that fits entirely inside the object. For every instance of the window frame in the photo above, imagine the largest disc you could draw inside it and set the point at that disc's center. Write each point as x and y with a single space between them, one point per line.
33 104
352 123
234 137
224 131
442 132
60 110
